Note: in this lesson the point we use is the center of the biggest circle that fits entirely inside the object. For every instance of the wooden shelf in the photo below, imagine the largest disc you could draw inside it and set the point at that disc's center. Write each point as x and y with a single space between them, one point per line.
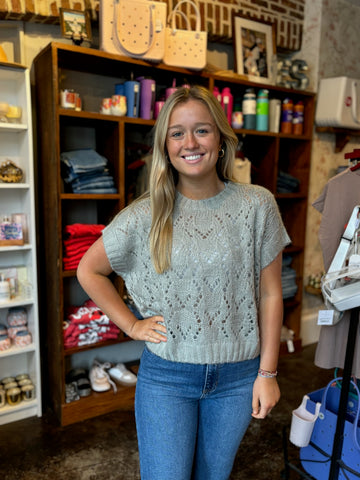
342 135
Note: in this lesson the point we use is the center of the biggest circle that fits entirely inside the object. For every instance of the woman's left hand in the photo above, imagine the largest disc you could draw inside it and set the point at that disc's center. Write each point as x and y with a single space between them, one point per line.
266 394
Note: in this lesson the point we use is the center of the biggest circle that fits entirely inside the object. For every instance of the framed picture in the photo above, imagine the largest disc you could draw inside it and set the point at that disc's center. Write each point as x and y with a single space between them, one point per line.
75 24
254 48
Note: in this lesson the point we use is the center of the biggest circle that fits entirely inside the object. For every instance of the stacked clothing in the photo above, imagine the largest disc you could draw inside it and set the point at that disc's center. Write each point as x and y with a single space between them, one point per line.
86 172
288 278
86 325
78 238
286 183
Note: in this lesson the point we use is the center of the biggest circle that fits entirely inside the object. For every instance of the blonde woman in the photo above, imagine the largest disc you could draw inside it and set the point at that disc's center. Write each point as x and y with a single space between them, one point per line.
201 257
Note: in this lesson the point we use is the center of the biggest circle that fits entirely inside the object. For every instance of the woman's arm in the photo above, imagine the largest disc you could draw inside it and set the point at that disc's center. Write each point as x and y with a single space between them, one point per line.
93 274
266 392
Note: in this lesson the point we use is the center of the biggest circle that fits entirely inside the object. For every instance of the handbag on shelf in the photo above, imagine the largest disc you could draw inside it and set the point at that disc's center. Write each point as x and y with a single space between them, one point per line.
316 457
134 28
185 48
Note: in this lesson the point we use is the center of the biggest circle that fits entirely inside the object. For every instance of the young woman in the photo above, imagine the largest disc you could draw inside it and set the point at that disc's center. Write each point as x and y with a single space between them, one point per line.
201 257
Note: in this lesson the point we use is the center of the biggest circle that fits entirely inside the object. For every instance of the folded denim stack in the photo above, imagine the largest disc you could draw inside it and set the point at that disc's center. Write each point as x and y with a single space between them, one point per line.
86 325
288 278
86 172
286 183
78 237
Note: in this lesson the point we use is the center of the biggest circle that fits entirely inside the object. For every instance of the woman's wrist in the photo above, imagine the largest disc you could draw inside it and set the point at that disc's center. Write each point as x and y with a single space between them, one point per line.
267 373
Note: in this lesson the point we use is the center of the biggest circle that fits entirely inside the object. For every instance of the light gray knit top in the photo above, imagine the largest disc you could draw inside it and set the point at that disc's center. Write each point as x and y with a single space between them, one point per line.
209 296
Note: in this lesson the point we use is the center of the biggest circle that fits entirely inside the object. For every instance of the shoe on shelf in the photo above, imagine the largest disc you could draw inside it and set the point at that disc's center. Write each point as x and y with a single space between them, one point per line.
79 376
99 378
120 374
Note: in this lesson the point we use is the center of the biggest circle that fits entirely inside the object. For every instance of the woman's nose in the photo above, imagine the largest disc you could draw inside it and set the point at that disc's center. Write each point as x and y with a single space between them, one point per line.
191 140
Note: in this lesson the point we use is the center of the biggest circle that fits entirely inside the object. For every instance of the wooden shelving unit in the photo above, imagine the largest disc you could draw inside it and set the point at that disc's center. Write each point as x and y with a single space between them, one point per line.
93 74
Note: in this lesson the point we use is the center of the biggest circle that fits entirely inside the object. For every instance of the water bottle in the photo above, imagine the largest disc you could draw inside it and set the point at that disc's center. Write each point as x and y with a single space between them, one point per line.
249 109
262 110
227 103
217 94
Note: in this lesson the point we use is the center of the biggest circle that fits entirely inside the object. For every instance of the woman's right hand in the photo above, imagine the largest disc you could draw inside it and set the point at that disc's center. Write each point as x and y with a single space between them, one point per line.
150 329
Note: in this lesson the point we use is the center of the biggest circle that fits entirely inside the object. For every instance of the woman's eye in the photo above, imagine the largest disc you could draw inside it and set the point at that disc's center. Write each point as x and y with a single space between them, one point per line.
202 131
176 134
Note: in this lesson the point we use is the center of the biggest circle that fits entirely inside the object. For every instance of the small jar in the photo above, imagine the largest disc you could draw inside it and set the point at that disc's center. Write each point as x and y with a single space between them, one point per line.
28 392
13 396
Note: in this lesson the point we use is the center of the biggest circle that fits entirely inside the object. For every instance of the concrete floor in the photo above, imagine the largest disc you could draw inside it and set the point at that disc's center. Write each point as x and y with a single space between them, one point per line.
106 447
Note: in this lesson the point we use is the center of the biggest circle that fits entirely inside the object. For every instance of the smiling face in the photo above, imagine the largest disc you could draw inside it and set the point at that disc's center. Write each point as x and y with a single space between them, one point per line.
193 143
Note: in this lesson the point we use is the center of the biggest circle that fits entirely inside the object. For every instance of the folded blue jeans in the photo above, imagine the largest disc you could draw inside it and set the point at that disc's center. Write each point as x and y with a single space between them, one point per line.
191 418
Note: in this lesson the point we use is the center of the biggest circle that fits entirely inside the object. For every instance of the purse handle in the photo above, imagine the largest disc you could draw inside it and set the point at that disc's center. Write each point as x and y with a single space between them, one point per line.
176 10
151 8
357 416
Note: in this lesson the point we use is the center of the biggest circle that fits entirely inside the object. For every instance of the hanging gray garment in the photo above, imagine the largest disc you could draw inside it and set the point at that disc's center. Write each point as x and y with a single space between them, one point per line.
336 203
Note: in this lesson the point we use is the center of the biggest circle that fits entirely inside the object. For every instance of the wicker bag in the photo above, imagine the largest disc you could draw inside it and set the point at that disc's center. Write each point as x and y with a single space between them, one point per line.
134 28
185 48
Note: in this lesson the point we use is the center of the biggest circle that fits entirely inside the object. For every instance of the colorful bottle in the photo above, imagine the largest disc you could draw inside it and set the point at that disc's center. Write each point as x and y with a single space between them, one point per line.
287 115
237 120
249 109
298 119
217 94
262 110
227 103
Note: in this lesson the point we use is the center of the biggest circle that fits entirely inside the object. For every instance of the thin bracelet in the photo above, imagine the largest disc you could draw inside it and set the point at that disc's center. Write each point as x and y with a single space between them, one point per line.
266 373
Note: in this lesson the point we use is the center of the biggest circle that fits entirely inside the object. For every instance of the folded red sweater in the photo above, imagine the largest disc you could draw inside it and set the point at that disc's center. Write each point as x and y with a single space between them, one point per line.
83 229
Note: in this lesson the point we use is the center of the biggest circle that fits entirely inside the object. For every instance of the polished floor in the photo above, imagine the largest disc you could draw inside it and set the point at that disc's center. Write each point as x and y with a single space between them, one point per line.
106 447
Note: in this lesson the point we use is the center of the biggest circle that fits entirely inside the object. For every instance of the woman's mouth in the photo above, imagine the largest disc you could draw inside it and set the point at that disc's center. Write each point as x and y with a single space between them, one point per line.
192 158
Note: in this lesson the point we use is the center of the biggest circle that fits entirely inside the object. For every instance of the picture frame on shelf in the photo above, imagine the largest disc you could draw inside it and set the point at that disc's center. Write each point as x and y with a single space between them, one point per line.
255 48
75 24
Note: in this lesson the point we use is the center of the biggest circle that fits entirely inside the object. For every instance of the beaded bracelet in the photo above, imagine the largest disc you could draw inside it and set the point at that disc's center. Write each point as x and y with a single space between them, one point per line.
266 373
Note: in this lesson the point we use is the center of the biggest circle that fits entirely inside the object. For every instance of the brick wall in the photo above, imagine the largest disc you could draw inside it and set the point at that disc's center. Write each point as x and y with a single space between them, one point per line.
288 15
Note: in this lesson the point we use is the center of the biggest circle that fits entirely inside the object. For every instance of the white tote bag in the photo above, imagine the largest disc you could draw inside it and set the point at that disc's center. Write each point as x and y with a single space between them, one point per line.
134 28
185 48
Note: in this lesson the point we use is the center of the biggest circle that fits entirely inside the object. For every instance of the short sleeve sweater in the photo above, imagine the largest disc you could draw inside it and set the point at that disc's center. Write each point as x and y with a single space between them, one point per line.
209 297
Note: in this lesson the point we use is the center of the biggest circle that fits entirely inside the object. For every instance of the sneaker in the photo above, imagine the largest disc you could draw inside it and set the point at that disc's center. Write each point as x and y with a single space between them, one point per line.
99 378
120 374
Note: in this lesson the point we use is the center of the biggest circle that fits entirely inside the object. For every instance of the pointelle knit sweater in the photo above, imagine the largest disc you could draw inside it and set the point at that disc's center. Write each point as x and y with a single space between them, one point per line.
209 297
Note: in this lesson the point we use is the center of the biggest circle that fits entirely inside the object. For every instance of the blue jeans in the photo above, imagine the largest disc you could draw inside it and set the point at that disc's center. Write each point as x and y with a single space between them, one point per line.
190 418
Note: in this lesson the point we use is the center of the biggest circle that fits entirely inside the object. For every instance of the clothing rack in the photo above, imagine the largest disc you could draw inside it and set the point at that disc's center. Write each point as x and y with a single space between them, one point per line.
345 388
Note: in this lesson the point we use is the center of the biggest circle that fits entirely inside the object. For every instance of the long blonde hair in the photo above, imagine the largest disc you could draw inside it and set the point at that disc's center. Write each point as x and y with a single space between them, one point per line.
163 177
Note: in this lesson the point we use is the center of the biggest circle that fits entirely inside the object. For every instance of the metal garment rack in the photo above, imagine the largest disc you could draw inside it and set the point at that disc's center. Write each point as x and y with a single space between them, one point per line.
341 417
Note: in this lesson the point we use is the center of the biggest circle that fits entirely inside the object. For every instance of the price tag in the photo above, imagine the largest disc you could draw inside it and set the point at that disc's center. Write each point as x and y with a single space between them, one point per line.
325 317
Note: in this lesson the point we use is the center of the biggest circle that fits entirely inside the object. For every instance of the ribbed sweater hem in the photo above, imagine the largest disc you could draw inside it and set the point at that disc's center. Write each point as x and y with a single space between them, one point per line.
215 353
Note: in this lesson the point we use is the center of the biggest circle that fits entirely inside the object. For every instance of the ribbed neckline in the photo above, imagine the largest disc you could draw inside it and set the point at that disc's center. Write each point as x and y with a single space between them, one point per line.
205 201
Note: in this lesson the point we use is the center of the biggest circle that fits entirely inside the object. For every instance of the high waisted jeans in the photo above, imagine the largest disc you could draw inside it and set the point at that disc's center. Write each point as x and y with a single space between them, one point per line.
191 418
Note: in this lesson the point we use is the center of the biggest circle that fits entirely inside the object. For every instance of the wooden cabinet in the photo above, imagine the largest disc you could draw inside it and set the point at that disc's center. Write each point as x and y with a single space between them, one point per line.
20 261
93 74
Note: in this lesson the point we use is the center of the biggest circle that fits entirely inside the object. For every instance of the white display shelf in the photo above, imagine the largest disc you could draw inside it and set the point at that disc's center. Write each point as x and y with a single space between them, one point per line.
13 127
13 350
24 409
17 146
12 186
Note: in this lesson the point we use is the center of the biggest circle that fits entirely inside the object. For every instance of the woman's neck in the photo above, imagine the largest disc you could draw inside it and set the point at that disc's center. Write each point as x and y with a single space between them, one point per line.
200 190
